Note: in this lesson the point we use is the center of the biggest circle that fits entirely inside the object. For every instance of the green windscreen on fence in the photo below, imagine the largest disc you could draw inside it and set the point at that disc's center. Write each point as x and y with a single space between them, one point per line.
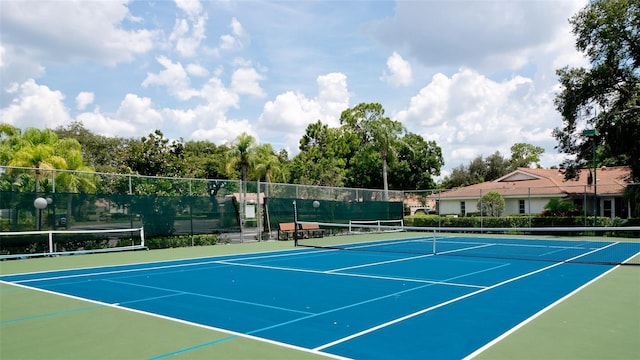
280 210
159 215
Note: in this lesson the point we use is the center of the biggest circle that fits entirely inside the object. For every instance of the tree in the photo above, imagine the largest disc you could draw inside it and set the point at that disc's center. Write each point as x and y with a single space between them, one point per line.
377 132
607 95
491 204
98 151
497 166
37 150
268 165
10 141
494 166
204 159
524 155
325 156
154 155
241 156
416 164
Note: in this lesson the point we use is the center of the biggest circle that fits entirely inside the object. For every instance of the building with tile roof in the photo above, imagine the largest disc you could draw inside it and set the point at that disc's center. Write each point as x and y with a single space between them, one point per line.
527 191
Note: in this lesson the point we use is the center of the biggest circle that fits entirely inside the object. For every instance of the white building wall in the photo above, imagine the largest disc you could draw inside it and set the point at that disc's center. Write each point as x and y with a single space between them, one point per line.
512 206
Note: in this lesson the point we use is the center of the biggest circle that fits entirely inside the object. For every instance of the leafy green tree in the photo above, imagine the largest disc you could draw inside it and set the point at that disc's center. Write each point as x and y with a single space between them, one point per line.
204 159
10 142
268 165
416 164
491 204
154 155
607 95
525 155
241 156
38 151
378 133
154 200
494 166
497 166
98 151
458 177
325 153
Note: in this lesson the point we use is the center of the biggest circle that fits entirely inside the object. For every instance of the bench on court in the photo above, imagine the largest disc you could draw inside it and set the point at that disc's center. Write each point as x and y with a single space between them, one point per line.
286 231
312 230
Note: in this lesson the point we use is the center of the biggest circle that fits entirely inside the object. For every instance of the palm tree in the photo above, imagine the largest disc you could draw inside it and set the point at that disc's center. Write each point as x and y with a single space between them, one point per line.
268 165
241 155
385 136
376 132
80 178
37 151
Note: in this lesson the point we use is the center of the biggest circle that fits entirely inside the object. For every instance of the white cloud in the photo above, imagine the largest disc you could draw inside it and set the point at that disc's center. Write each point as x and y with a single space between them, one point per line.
188 35
83 99
246 81
218 96
224 131
333 97
102 124
400 73
468 115
139 110
291 112
174 77
197 70
35 105
476 34
191 7
67 30
238 38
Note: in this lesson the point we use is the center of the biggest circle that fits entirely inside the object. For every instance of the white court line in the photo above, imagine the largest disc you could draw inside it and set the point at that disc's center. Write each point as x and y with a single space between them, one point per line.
378 277
539 313
581 247
431 308
181 292
377 263
381 243
225 331
143 269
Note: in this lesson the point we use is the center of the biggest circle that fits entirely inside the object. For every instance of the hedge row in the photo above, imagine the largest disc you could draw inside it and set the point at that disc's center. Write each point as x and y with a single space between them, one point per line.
512 221
184 241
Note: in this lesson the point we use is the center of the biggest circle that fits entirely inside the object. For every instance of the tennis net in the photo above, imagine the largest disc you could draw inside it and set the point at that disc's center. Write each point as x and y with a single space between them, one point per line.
601 245
23 244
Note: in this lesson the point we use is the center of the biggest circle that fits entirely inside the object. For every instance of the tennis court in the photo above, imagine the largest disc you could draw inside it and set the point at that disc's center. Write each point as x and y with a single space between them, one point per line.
403 302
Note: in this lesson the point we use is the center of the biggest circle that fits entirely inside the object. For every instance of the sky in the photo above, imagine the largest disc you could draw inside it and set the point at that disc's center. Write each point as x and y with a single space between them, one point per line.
475 76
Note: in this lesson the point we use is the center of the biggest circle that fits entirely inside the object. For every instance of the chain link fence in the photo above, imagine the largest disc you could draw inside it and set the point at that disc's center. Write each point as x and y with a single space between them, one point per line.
164 206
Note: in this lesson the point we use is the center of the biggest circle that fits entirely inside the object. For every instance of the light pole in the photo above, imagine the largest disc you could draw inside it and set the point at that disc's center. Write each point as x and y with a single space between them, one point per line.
316 205
40 204
592 133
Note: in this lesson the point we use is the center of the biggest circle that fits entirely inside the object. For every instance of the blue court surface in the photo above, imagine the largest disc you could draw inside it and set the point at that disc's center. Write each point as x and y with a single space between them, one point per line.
347 304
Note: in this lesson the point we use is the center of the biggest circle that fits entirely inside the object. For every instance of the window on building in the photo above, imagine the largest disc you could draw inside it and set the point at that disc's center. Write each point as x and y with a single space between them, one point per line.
463 210
606 208
521 207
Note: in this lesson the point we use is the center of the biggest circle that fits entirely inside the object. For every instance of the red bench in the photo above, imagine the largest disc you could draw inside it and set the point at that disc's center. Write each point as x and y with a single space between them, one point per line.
286 231
312 230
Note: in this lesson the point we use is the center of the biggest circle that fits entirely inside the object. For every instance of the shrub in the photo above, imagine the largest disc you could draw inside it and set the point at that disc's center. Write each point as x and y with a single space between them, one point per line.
491 204
557 207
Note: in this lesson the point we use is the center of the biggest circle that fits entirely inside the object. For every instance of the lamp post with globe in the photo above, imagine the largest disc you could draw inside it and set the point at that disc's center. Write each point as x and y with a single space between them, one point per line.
316 205
40 204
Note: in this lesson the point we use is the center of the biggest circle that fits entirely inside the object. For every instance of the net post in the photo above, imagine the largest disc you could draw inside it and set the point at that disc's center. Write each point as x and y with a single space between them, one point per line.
434 242
295 224
51 242
142 236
